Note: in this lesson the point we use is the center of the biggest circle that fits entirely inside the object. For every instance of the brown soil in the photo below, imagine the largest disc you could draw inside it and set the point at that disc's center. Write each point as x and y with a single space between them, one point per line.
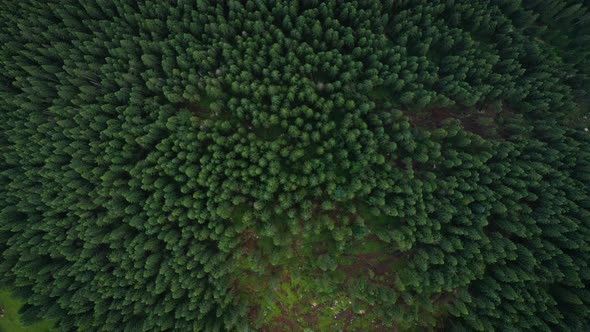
471 120
249 239
379 263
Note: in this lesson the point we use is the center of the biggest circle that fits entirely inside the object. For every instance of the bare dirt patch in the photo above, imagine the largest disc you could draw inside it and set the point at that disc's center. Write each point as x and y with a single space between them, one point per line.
482 121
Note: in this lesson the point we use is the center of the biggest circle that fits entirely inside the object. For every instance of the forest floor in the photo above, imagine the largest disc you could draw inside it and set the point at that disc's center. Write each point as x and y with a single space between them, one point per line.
11 320
298 296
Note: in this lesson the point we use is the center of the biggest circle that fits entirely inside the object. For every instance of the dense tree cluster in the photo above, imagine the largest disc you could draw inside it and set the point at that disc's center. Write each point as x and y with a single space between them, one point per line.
153 153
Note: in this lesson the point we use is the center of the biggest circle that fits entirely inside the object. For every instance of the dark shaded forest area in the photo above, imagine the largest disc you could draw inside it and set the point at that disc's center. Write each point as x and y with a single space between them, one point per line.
399 165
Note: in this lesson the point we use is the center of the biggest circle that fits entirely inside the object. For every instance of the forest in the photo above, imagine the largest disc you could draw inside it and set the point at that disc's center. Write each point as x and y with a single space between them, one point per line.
295 165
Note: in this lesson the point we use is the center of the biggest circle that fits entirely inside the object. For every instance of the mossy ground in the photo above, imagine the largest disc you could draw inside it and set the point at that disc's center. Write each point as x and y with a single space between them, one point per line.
11 320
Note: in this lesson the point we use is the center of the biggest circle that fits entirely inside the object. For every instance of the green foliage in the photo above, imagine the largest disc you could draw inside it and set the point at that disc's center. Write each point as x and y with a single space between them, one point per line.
426 163
10 322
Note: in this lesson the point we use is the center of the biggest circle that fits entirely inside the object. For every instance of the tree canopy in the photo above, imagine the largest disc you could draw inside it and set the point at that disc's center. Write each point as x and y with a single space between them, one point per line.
220 165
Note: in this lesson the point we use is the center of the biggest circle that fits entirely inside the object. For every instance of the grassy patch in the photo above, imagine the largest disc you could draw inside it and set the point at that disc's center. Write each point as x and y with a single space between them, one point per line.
296 295
11 320
303 303
356 290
